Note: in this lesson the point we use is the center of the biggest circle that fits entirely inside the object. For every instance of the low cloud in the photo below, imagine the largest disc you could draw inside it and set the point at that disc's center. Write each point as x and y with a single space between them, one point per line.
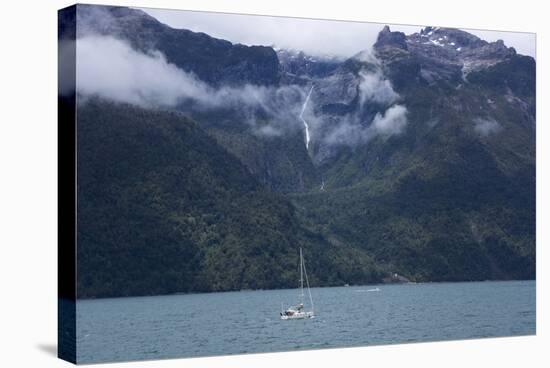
486 127
375 92
346 133
393 121
350 132
375 88
367 56
110 68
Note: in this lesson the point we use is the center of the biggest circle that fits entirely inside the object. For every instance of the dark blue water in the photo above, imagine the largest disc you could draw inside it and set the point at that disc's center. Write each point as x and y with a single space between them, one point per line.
247 322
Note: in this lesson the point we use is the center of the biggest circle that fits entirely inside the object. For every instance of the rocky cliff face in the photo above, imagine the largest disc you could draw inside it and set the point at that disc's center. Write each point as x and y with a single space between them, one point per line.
298 67
450 54
452 68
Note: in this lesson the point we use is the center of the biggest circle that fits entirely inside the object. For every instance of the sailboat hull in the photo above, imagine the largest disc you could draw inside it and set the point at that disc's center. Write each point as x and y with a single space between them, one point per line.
298 315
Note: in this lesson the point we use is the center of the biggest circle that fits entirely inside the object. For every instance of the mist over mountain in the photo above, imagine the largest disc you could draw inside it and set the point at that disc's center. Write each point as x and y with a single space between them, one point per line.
415 156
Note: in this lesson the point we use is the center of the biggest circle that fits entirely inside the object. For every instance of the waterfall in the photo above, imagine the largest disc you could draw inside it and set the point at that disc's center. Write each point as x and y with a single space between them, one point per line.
306 125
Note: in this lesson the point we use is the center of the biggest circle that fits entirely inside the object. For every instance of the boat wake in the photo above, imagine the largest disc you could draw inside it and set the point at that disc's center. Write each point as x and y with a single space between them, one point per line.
367 290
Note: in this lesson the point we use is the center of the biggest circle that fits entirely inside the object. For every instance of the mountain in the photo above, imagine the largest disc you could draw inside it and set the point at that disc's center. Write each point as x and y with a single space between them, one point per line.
280 164
213 60
421 162
452 196
162 208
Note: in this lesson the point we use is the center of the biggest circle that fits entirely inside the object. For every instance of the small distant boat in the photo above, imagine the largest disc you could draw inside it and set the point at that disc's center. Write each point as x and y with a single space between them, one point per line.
366 290
297 311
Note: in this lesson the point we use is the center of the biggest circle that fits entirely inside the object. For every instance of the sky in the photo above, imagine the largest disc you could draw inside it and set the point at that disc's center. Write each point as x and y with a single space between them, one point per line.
315 37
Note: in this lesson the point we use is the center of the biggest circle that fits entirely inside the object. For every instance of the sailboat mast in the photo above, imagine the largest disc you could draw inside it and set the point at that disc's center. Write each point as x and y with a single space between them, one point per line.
301 276
308 289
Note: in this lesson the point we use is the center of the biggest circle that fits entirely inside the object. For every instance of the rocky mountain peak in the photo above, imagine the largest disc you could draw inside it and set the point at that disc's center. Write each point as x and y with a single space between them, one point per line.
436 54
446 38
392 39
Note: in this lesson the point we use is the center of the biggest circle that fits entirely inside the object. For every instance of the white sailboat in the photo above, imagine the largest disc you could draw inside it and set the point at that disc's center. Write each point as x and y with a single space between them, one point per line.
297 311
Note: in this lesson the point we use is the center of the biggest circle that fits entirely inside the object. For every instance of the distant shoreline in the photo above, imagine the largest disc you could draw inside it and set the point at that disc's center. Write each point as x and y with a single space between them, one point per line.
313 287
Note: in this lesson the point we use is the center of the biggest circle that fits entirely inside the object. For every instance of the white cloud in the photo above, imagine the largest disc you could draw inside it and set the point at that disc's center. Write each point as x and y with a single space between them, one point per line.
112 69
392 122
486 127
374 87
348 131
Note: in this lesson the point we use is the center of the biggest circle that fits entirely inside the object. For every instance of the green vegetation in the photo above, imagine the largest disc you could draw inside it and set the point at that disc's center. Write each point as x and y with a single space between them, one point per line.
170 204
163 208
440 202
